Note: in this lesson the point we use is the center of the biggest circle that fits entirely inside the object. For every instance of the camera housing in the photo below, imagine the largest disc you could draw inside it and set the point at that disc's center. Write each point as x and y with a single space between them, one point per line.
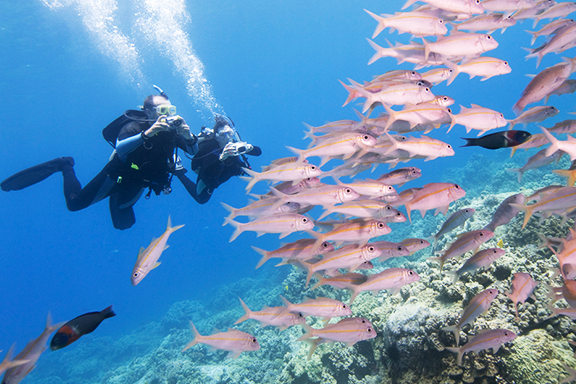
174 121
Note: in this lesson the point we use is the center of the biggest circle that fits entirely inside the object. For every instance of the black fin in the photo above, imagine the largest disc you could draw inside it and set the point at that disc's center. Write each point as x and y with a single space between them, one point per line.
35 174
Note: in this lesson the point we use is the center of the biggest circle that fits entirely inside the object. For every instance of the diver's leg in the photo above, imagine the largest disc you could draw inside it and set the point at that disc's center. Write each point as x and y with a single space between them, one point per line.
189 185
35 174
203 192
121 206
78 198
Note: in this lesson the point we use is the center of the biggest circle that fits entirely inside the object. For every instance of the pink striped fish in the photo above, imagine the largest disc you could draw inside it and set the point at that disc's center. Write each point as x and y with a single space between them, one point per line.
434 196
341 281
270 316
283 223
302 249
488 339
465 242
320 307
480 259
392 279
522 287
232 340
358 231
477 306
349 331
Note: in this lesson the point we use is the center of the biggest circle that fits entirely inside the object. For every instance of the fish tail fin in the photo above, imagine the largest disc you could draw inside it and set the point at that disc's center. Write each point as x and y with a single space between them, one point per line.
107 312
534 36
426 48
236 225
247 312
194 339
355 293
456 332
381 23
265 256
553 142
459 352
455 71
309 134
518 171
352 93
454 277
170 228
408 3
378 54
308 333
230 209
391 119
252 179
319 283
568 174
298 152
527 211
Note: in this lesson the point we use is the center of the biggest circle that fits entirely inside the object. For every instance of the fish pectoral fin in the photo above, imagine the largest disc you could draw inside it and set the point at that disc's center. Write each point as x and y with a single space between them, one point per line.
284 234
166 247
156 265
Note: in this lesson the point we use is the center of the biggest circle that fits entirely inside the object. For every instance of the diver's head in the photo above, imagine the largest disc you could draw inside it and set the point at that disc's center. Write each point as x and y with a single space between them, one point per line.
157 105
224 131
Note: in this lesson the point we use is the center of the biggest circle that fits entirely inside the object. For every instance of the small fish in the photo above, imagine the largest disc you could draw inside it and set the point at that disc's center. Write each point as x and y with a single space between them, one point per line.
400 176
491 338
488 22
390 249
560 200
261 207
320 307
364 209
341 281
392 279
148 258
480 259
348 257
294 171
461 44
31 353
534 115
232 340
301 249
349 331
522 287
505 212
468 7
424 146
325 195
283 223
79 326
479 118
357 230
477 306
414 245
436 196
415 23
270 316
486 67
345 144
504 139
568 146
465 242
455 220
539 159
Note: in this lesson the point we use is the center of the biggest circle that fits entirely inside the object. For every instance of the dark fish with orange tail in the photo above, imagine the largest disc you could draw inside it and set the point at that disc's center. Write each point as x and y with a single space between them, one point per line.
79 326
504 139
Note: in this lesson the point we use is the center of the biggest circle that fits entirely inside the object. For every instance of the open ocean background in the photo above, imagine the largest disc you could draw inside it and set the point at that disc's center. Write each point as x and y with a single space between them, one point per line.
66 72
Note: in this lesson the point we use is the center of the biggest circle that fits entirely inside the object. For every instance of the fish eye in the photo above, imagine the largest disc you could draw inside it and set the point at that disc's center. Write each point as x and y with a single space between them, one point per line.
365 137
413 73
325 245
449 110
344 306
488 37
380 225
449 146
371 249
369 330
441 21
399 214
304 220
312 167
388 207
456 186
481 234
410 273
399 248
348 190
427 89
136 274
501 115
253 339
449 70
363 321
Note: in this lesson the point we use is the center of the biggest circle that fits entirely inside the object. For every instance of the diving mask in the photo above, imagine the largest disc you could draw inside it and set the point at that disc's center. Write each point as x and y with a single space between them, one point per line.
165 109
226 134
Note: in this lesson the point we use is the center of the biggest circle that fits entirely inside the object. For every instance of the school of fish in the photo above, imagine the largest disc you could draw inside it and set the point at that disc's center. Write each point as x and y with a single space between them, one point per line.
447 35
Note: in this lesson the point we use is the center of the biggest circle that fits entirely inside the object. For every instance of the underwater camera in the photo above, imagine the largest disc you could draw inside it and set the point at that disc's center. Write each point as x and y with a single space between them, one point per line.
174 121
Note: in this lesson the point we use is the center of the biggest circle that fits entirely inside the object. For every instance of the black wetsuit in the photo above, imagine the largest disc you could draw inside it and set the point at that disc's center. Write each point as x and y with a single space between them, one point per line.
147 165
211 171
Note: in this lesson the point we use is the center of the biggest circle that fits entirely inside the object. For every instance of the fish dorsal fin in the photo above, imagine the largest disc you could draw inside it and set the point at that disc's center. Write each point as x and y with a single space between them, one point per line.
142 249
476 106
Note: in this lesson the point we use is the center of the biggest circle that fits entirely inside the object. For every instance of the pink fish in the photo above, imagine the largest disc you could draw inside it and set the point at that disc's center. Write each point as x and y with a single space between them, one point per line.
294 171
325 195
400 176
477 306
341 281
232 340
321 307
390 249
465 242
301 249
348 257
414 245
392 279
270 316
8 363
283 223
358 230
349 331
480 259
434 196
522 287
491 338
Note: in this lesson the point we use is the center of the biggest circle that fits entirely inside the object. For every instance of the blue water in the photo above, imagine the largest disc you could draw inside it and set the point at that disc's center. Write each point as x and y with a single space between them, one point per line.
269 66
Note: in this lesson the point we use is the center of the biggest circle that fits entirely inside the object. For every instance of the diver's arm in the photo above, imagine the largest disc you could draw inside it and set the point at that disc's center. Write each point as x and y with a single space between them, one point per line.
131 137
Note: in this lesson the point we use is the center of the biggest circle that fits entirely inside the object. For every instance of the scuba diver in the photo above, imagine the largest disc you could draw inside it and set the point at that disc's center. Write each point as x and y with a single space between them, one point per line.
146 143
220 156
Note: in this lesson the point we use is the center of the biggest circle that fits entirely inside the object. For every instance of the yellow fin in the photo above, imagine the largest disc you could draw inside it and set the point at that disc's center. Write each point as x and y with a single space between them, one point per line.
156 265
500 243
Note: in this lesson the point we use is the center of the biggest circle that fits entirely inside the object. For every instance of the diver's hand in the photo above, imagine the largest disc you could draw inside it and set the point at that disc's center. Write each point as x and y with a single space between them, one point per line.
184 131
235 149
159 126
